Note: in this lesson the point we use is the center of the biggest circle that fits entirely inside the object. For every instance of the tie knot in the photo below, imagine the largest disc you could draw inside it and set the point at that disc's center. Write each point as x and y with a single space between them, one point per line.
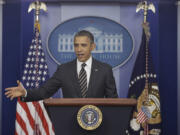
83 65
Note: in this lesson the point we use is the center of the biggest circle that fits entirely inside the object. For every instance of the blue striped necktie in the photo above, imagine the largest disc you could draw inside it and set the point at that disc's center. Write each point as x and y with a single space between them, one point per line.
83 81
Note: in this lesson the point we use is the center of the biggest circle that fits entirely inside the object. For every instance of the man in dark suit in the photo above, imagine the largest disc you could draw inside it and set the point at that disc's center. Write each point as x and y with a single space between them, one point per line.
83 77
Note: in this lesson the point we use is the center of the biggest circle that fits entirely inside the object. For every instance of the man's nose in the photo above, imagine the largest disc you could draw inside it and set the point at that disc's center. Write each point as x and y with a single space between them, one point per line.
79 48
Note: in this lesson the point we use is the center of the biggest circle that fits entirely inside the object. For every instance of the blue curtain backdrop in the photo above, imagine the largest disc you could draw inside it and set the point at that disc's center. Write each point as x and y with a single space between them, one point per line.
17 35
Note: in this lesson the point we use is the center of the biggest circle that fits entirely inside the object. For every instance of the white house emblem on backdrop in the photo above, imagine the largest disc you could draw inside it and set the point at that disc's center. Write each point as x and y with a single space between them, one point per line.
114 44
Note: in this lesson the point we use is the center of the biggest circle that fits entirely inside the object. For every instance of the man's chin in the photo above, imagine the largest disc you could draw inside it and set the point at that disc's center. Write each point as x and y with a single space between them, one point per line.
81 59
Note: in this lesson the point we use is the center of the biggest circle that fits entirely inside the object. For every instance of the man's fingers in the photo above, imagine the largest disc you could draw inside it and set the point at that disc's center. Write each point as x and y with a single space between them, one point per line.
10 88
11 98
13 92
9 95
8 92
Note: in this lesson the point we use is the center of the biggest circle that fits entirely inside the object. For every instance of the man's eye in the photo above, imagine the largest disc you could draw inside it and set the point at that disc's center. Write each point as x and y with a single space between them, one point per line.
84 45
75 45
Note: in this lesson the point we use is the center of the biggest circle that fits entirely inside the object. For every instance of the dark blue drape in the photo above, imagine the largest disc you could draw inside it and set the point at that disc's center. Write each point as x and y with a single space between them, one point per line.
17 34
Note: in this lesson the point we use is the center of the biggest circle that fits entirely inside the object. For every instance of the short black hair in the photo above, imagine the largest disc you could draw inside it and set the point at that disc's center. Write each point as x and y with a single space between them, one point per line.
85 33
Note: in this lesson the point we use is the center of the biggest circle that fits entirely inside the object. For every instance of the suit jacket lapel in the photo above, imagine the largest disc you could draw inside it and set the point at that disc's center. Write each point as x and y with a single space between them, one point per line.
75 78
93 77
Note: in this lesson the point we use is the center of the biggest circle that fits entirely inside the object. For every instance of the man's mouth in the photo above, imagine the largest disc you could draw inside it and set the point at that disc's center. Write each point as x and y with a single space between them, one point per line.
80 55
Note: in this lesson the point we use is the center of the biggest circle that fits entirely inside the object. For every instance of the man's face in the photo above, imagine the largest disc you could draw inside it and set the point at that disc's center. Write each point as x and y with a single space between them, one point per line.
83 48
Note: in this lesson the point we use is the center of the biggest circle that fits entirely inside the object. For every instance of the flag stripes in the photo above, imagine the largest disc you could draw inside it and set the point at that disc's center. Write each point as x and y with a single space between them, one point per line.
21 123
28 113
41 117
141 117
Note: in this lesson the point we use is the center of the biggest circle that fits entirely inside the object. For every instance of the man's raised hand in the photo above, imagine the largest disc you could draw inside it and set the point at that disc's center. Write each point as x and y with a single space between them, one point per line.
13 92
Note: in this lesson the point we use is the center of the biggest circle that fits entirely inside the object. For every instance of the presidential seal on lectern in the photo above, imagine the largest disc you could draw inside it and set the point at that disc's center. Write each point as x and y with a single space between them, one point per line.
89 117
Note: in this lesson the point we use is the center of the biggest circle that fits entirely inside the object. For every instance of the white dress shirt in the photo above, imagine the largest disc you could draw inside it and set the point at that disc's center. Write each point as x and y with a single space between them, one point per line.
87 68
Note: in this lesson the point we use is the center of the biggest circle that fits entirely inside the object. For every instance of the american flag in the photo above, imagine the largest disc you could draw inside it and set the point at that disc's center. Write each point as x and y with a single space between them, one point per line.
31 117
143 115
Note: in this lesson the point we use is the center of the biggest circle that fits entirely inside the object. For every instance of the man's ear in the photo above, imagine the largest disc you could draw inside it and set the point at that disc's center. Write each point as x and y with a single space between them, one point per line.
93 45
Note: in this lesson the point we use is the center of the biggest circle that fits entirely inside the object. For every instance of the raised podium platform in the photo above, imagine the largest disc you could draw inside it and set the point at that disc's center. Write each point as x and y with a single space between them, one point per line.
116 115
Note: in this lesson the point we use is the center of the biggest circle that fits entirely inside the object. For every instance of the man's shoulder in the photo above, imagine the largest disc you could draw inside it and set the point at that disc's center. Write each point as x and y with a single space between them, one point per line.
69 64
101 64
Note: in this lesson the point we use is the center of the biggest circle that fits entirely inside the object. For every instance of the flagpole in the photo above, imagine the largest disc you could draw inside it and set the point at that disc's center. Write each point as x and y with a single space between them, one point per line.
145 7
37 6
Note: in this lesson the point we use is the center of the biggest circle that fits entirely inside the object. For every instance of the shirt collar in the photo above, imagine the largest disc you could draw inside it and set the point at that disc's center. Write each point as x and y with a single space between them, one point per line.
88 62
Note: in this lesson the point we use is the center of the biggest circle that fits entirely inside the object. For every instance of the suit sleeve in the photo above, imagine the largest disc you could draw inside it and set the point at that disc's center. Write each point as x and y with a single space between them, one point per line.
47 89
110 88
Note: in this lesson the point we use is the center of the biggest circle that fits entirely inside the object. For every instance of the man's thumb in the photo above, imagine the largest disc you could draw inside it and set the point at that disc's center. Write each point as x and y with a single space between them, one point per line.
18 82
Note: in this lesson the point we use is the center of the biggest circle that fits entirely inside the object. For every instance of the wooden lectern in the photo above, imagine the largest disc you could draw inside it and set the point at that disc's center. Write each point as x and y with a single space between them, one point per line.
116 115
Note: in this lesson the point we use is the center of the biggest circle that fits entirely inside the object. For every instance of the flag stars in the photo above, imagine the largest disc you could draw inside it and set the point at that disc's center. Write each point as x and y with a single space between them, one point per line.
32 84
31 65
32 59
43 78
36 65
31 47
142 77
38 78
28 59
40 72
24 78
41 66
42 60
27 65
30 53
30 72
27 84
34 72
35 68
29 78
45 73
33 78
25 71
